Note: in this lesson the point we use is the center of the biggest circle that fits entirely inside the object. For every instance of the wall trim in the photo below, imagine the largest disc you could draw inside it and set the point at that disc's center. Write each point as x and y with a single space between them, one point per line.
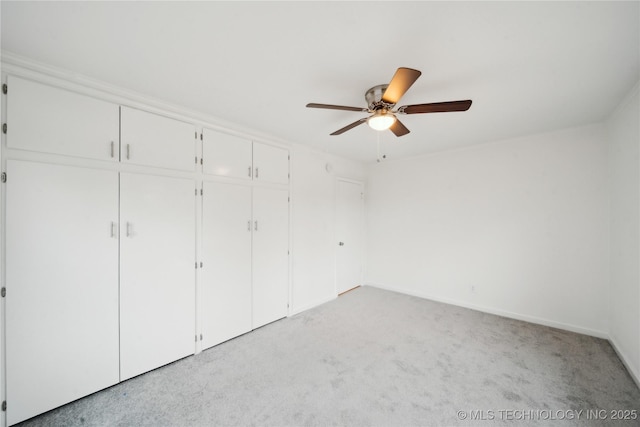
498 312
633 372
298 310
17 65
626 100
351 181
635 375
507 140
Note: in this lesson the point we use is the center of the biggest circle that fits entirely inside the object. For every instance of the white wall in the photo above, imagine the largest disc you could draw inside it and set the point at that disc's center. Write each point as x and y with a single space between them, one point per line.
313 223
516 227
624 144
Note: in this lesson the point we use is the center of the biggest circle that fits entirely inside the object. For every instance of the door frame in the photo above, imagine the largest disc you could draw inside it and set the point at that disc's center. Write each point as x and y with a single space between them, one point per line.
359 183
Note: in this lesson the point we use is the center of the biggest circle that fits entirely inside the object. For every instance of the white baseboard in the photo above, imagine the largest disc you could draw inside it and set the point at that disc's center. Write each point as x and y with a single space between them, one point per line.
633 370
498 312
297 310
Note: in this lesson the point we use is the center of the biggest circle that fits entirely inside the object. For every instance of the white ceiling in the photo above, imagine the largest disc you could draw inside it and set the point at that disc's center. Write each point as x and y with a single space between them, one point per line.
528 66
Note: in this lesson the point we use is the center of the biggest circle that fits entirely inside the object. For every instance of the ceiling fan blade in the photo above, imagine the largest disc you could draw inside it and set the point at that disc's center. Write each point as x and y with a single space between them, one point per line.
351 126
398 128
401 81
336 107
436 107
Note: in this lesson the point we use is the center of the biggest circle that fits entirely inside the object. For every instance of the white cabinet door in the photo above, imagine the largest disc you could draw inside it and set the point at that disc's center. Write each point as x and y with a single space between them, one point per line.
236 157
157 271
51 120
226 155
270 255
226 254
270 164
62 285
152 140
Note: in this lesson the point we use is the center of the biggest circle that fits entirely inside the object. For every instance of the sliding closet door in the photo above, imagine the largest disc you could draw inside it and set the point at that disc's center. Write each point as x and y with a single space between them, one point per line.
62 285
226 252
157 271
270 255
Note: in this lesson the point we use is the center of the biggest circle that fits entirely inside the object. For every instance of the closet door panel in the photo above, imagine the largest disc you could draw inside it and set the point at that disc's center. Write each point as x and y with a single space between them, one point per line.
270 255
62 285
226 276
226 155
270 164
152 140
157 271
51 120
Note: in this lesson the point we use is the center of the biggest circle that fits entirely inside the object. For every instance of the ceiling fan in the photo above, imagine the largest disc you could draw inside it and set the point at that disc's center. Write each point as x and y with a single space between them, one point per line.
382 100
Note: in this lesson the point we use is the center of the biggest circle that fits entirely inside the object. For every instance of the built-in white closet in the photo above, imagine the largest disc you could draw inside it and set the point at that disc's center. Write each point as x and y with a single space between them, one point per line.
245 245
111 211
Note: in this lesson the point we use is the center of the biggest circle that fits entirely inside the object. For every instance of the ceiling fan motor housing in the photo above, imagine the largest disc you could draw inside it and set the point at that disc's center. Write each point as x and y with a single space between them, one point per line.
374 98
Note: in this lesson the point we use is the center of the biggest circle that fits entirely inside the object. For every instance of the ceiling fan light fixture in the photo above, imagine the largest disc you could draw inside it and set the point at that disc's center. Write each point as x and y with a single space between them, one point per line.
382 100
381 120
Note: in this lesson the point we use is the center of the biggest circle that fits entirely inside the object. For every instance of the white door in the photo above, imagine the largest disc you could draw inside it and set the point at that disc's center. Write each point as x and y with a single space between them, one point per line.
157 271
350 235
270 164
226 253
62 285
51 120
226 155
270 255
152 140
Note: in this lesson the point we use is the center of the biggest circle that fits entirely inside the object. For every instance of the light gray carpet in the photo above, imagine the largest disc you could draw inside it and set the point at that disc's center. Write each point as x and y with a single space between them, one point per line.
376 358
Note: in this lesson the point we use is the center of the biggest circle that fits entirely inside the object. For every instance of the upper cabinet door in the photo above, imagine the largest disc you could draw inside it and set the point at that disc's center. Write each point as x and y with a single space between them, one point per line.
270 164
226 155
152 140
51 120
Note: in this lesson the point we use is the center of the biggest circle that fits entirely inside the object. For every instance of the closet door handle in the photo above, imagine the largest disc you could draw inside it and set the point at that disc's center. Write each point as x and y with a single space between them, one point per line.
128 151
113 152
128 229
249 171
255 225
256 172
113 229
249 225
